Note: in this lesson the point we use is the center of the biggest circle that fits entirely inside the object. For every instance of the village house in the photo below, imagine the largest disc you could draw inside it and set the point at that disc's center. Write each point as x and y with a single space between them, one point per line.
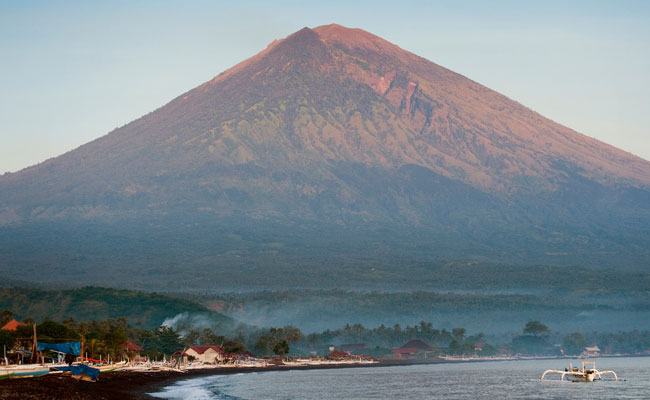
413 347
204 354
591 351
133 348
12 325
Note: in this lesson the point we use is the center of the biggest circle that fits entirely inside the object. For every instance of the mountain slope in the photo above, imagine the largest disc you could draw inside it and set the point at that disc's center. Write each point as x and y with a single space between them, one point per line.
97 304
335 127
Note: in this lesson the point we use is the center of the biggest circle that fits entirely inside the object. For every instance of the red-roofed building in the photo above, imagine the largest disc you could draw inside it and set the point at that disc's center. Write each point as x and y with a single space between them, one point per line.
12 325
411 348
418 344
339 355
132 347
177 353
404 351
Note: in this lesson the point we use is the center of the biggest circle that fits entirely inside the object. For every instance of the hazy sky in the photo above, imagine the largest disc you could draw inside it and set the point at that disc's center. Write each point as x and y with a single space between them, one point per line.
72 71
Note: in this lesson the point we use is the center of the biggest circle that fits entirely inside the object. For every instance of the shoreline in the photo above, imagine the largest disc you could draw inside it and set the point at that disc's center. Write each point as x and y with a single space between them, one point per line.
129 385
160 385
200 372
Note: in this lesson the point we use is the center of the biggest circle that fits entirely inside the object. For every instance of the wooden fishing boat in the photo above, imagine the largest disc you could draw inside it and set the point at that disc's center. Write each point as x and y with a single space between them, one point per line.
23 371
588 372
111 367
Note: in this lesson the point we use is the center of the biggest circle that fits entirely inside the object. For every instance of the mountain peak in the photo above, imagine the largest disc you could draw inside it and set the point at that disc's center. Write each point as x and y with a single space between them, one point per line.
353 37
343 94
300 44
305 33
336 32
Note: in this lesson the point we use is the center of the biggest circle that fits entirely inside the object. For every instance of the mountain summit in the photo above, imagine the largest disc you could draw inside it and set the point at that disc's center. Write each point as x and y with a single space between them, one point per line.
335 128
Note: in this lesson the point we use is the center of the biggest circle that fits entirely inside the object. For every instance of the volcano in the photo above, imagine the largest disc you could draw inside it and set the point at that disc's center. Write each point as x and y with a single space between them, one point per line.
331 149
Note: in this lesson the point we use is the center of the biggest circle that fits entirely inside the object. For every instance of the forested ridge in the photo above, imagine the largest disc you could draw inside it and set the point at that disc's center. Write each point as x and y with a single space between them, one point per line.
97 303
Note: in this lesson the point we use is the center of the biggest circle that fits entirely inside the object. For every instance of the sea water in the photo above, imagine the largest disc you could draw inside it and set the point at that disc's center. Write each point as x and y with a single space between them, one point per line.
474 380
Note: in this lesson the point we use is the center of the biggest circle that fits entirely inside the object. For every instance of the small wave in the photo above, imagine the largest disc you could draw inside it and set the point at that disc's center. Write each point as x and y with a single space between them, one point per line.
205 388
191 389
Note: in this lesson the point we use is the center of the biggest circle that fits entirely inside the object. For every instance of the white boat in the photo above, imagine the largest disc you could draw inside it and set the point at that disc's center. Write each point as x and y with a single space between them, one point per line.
23 371
111 367
587 373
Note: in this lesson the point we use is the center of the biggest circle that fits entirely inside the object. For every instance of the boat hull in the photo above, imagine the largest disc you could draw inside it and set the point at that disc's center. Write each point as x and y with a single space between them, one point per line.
14 373
588 377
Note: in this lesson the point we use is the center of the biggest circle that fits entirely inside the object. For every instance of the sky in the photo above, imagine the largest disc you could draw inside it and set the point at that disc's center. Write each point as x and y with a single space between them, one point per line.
71 71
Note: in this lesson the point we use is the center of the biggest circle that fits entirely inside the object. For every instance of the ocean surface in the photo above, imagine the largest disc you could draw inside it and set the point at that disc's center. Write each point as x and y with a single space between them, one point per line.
476 380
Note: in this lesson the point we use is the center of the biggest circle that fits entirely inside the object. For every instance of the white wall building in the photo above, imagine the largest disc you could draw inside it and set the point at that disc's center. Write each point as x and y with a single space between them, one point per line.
204 354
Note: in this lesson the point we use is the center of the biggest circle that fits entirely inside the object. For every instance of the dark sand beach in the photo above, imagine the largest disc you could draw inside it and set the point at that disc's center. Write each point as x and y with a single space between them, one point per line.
127 385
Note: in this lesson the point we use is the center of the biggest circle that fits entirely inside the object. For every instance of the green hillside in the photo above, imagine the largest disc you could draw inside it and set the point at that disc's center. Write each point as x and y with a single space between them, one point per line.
96 303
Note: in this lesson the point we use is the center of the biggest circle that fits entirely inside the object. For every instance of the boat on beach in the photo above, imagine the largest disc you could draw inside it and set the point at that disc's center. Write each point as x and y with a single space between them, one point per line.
23 371
111 367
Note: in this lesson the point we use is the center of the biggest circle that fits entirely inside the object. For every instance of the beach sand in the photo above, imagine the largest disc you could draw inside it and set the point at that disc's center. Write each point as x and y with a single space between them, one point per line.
130 385
111 385
125 385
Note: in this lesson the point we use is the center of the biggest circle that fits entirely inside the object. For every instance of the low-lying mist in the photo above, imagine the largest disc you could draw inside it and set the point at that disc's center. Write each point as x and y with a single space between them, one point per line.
316 311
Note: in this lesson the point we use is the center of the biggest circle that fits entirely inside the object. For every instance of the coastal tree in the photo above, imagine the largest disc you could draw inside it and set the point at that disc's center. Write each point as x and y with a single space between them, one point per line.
94 347
458 334
574 343
70 324
6 339
114 340
262 346
166 340
281 348
5 316
313 339
445 336
292 334
458 348
488 350
536 328
234 347
191 338
54 331
534 339
209 338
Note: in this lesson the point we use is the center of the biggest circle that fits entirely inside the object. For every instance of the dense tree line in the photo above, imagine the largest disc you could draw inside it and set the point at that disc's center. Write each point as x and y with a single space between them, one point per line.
537 339
107 338
101 338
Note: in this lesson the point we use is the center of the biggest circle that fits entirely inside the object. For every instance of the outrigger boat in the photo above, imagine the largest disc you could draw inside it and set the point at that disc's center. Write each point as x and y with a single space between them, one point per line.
588 373
23 371
110 367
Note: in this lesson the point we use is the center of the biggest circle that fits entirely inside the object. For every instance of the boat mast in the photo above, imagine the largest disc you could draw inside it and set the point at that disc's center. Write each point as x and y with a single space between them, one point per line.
34 357
81 353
